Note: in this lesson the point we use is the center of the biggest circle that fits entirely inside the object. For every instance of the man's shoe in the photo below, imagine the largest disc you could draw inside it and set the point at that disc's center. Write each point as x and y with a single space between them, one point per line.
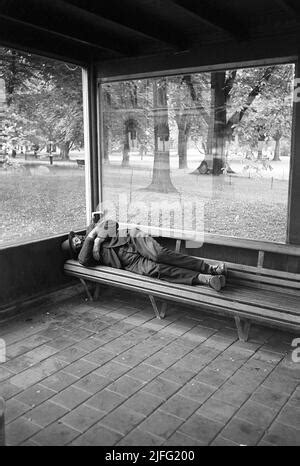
220 269
215 282
222 280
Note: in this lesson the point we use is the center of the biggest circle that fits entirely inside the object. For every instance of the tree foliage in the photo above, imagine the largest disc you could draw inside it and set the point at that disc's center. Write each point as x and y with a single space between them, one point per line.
44 100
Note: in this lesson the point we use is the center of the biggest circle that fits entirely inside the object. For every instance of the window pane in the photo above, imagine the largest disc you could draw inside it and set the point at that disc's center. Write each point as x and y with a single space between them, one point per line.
200 152
42 187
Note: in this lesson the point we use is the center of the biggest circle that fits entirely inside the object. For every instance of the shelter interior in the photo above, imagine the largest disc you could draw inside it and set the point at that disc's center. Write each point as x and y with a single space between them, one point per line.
124 40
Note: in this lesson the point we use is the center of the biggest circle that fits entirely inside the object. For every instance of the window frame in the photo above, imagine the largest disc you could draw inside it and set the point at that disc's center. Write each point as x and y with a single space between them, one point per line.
293 202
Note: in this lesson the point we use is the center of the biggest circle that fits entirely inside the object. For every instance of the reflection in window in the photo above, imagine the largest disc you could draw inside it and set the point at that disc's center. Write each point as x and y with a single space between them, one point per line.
200 152
42 189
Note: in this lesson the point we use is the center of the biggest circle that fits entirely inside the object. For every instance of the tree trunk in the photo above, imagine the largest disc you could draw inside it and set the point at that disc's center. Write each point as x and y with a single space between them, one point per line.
260 145
125 160
65 149
215 160
183 136
161 179
276 157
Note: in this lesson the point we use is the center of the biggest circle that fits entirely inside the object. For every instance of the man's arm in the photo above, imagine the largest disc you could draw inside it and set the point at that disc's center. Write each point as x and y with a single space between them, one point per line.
85 256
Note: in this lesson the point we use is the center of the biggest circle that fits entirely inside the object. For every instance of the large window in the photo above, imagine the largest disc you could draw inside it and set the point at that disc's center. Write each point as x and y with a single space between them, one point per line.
200 152
42 188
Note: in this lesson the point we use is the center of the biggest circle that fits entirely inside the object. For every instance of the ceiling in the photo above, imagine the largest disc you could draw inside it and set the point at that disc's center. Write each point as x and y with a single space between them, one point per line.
105 30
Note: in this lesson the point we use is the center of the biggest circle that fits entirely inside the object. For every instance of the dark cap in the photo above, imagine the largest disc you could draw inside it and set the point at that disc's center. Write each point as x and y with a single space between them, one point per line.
69 246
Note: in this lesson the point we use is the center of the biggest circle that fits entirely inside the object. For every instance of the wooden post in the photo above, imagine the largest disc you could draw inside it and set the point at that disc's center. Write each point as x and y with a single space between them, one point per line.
2 422
92 172
293 226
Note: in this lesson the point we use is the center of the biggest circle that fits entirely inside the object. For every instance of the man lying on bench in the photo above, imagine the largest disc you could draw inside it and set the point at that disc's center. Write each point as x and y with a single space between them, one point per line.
137 252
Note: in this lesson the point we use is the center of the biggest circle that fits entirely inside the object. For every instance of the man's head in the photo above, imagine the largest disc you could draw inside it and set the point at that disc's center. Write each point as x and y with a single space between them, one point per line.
73 244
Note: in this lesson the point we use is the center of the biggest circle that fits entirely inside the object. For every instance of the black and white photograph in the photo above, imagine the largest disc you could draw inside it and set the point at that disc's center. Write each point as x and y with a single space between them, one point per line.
150 226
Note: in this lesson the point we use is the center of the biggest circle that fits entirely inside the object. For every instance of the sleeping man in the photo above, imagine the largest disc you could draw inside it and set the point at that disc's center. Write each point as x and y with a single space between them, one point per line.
139 253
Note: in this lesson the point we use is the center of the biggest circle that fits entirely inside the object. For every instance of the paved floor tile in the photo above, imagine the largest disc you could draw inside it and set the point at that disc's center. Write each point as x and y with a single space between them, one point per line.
80 368
45 413
105 400
56 434
126 385
223 442
290 415
112 370
19 430
98 435
14 409
211 377
59 381
182 440
35 395
71 397
242 432
122 420
143 402
144 372
283 435
82 417
217 410
257 414
139 438
200 428
197 391
161 424
268 397
92 383
178 374
179 406
8 389
233 393
161 388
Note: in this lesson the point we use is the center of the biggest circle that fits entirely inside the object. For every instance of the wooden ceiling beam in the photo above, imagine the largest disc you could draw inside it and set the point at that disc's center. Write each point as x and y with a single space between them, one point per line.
52 18
57 34
132 16
214 14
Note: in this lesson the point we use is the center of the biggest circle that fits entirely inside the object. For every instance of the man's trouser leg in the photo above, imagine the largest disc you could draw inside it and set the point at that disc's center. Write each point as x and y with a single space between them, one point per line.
148 247
174 274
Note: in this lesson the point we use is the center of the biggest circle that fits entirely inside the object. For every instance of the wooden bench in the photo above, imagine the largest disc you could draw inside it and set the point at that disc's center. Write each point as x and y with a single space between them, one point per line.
252 293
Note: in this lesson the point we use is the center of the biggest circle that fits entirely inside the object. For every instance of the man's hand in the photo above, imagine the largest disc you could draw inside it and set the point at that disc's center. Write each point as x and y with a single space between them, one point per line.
104 229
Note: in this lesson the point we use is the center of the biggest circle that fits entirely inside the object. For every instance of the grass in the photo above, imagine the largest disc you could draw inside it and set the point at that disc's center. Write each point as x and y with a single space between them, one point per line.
41 200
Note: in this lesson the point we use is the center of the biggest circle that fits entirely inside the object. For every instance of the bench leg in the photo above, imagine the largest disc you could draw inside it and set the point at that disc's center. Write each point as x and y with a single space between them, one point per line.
159 314
86 289
97 292
243 328
163 309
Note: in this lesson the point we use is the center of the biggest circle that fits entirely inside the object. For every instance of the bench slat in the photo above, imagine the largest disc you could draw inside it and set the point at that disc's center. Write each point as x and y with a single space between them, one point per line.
241 268
265 286
264 279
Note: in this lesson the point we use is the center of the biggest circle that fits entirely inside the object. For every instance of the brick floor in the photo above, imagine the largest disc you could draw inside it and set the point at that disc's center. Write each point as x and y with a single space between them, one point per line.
109 373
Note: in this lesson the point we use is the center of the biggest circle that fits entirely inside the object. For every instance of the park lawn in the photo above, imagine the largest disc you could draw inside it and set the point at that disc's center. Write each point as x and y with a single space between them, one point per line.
42 201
